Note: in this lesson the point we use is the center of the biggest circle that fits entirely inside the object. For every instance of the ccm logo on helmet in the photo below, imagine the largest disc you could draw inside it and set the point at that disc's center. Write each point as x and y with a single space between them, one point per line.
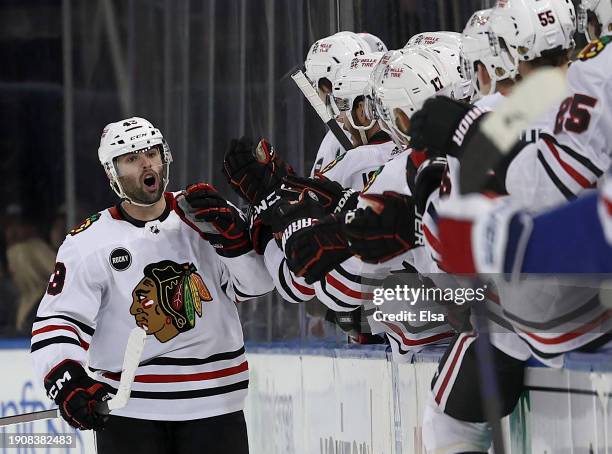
138 136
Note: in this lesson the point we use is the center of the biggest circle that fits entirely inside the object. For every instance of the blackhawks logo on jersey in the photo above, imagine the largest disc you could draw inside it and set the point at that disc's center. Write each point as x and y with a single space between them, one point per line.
593 49
85 224
168 299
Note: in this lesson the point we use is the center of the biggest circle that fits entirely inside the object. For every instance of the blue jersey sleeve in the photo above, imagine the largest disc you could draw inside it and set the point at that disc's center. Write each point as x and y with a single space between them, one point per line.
569 239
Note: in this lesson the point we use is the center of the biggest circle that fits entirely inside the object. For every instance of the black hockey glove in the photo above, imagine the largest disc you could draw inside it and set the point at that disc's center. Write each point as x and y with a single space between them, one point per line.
307 206
315 247
443 126
427 180
261 220
383 230
330 194
78 396
254 171
218 221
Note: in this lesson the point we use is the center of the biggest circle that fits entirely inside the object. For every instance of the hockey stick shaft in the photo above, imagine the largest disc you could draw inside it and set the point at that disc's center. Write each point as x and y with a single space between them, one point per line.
318 105
131 360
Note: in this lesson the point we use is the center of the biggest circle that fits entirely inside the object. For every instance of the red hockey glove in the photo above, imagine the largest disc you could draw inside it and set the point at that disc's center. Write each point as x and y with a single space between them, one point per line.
383 230
218 221
77 395
254 171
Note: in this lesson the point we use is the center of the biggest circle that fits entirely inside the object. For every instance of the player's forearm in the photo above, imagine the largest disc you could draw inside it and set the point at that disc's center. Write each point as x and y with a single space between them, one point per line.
291 288
248 275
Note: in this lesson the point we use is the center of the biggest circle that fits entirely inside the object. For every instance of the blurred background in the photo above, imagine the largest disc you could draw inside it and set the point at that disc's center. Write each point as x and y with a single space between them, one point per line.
203 71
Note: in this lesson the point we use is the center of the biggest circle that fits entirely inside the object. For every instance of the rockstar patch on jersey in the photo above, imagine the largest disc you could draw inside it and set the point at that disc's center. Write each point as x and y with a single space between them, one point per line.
168 299
332 164
85 224
592 49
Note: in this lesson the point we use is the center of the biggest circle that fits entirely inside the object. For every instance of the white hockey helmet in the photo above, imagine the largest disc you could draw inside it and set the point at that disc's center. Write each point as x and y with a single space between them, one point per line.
399 86
602 9
349 86
128 136
327 55
374 42
475 48
528 28
446 47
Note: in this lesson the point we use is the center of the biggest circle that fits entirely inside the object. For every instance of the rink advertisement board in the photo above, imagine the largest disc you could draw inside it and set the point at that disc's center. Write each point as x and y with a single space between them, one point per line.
352 401
19 393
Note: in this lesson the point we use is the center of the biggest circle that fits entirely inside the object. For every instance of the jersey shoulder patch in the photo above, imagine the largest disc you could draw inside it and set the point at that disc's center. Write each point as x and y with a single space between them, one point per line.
85 224
594 48
372 178
332 164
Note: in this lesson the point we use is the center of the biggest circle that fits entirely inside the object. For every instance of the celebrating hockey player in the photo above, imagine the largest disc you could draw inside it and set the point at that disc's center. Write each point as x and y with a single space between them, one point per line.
174 264
560 166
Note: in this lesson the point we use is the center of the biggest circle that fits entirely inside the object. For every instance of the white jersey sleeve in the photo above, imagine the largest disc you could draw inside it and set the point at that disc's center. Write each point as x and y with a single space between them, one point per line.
66 319
329 150
354 168
246 276
291 287
577 152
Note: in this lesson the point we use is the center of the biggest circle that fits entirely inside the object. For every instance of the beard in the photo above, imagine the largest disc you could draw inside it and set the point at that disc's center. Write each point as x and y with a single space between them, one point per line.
137 191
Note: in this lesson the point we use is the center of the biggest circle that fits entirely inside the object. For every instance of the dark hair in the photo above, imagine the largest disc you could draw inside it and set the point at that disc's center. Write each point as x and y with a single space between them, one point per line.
551 57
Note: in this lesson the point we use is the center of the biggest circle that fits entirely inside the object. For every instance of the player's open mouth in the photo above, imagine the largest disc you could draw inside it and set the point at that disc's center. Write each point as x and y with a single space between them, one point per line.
150 181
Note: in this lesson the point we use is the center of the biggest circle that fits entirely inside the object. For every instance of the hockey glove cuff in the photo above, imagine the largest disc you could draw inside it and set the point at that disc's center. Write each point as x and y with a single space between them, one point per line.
77 395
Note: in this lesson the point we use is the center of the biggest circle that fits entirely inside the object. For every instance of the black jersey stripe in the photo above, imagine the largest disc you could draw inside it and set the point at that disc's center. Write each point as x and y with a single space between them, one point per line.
284 284
334 299
569 195
83 327
54 340
358 279
189 394
586 162
244 295
169 361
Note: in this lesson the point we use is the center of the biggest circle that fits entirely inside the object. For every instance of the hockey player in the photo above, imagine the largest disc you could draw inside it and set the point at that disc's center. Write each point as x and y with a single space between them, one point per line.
492 76
323 61
447 48
399 86
527 243
173 264
574 165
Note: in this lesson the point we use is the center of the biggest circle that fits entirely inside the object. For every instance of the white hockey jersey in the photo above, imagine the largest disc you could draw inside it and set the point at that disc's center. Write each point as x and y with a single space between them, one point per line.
354 168
429 324
114 273
577 153
350 169
551 315
329 150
